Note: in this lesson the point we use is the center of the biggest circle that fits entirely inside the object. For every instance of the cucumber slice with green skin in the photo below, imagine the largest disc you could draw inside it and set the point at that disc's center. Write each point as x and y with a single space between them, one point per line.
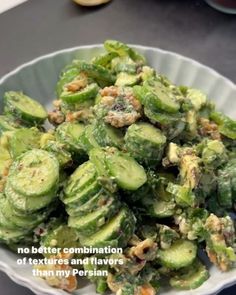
106 135
35 173
104 60
12 236
139 93
69 134
87 139
227 126
162 209
66 77
24 107
181 253
127 172
60 236
143 139
164 119
5 222
98 156
90 223
120 228
7 124
146 134
123 50
92 204
27 204
124 79
100 74
63 156
158 97
87 93
74 107
193 278
83 176
124 64
83 195
24 221
23 140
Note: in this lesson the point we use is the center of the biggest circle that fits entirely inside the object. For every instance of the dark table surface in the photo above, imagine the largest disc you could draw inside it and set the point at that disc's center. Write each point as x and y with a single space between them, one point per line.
191 28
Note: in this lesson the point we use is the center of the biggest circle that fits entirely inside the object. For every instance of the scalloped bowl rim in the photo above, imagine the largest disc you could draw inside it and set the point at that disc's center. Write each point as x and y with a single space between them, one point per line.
25 281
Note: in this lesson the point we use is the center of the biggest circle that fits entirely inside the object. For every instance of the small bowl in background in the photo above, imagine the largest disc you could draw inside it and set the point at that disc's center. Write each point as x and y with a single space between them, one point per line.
226 6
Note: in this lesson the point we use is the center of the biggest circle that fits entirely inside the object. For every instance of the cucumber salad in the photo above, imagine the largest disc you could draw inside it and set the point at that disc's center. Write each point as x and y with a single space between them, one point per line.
130 161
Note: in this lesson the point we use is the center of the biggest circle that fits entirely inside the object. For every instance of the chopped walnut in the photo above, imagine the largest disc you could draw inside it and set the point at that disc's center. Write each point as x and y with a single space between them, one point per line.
108 100
57 103
110 91
146 290
79 83
83 115
209 128
117 120
145 250
56 117
134 102
123 109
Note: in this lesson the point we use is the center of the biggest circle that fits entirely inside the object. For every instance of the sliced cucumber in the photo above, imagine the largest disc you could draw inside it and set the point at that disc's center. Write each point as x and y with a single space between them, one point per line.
7 124
84 175
127 172
90 223
87 139
158 97
23 140
162 209
120 228
24 222
161 118
145 142
182 253
24 107
66 77
69 134
95 202
124 64
27 203
35 173
100 74
125 79
85 94
60 236
104 60
193 277
106 135
97 156
12 236
83 195
124 50
5 222
58 150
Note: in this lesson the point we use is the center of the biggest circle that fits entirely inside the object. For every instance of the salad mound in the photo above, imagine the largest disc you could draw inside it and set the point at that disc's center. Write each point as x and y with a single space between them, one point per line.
130 161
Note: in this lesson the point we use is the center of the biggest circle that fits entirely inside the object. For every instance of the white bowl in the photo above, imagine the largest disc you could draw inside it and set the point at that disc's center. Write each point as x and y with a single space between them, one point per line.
38 78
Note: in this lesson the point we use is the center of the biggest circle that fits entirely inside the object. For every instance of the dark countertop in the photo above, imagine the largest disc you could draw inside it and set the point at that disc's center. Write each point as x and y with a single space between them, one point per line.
191 28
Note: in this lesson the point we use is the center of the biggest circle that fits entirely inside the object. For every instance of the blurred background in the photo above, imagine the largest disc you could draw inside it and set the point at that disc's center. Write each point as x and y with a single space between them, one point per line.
188 27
